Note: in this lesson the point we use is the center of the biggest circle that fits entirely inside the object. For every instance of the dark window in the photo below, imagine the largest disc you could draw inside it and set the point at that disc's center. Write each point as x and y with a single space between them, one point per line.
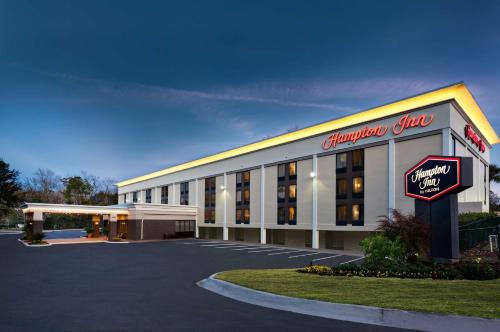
287 193
243 197
148 195
164 195
184 200
341 188
357 160
341 214
210 196
341 162
350 187
134 197
453 146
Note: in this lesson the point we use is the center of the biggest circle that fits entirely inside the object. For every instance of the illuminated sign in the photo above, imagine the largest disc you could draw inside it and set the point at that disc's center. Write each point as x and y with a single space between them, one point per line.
404 122
474 138
433 177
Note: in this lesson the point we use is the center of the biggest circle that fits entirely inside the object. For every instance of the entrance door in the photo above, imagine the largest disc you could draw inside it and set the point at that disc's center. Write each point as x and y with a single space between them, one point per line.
122 227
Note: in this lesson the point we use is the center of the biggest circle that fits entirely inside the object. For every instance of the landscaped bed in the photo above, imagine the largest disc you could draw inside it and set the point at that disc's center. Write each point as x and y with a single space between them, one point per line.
458 297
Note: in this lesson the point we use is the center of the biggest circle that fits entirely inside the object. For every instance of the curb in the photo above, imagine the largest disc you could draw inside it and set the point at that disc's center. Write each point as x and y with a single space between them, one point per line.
351 312
61 243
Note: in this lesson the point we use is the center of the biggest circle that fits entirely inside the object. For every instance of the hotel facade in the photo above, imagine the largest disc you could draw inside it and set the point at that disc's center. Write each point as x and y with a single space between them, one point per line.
324 186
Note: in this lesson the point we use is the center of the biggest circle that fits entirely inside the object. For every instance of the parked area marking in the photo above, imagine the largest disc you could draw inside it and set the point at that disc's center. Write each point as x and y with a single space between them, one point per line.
352 260
266 250
310 254
282 253
248 248
318 259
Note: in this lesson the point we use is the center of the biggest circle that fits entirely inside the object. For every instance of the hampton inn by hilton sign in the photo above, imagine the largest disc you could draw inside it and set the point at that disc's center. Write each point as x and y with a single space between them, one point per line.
434 182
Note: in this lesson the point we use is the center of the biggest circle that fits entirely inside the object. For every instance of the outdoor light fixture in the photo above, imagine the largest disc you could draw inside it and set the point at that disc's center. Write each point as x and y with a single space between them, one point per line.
222 187
312 174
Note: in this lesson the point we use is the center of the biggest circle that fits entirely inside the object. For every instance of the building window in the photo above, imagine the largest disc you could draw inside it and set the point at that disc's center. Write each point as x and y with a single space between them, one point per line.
287 193
134 197
148 195
184 199
243 197
341 162
164 195
350 187
357 187
210 196
357 160
341 188
124 198
453 146
341 214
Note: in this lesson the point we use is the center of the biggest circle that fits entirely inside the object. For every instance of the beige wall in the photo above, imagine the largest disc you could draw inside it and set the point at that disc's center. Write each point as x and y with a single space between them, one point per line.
295 238
219 201
231 199
255 181
200 220
376 183
408 153
177 194
271 192
351 240
326 192
304 194
192 193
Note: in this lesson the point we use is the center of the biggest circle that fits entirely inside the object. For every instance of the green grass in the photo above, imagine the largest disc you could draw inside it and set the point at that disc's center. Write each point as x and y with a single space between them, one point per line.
458 297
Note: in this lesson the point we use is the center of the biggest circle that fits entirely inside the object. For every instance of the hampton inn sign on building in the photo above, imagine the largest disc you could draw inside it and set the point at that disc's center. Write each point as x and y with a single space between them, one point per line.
323 186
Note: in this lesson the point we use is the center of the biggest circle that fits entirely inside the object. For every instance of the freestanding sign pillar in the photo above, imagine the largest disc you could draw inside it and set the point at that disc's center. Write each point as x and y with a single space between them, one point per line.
434 183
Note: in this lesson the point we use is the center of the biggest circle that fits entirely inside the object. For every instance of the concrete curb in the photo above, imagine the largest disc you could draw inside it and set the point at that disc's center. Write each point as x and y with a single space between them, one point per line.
69 242
350 312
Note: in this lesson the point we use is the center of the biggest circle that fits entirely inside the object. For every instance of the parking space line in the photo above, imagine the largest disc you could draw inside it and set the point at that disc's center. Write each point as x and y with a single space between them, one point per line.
265 250
297 256
247 248
229 246
286 252
318 259
352 260
211 245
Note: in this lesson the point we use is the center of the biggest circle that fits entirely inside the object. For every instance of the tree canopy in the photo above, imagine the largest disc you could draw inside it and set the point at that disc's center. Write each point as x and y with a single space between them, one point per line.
9 188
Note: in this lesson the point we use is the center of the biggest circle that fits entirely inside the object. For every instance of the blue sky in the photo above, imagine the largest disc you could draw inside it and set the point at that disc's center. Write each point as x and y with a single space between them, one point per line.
121 88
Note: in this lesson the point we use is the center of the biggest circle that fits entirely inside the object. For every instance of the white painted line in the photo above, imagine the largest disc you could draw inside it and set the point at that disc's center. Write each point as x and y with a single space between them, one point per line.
188 242
228 246
318 259
248 248
352 260
267 250
205 242
286 252
297 256
211 245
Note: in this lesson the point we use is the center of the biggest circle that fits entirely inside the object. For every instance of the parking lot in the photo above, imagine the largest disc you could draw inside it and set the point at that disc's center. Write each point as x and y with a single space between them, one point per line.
143 287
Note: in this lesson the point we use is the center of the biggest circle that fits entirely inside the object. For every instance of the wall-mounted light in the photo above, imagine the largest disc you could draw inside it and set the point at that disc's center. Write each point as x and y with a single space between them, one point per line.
312 174
222 187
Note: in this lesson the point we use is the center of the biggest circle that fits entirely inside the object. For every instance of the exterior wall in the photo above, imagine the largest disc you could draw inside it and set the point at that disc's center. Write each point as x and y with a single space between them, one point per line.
376 183
304 195
230 193
326 192
255 181
156 229
192 193
219 201
408 153
296 238
200 218
271 194
351 240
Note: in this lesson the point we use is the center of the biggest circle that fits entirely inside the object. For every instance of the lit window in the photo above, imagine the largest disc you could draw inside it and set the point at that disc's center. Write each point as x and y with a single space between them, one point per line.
246 216
238 216
356 212
357 160
246 196
341 188
341 213
292 169
357 185
341 161
246 177
292 192
291 214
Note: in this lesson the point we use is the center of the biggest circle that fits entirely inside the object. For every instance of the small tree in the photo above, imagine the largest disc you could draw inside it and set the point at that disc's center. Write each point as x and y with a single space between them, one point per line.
411 230
9 188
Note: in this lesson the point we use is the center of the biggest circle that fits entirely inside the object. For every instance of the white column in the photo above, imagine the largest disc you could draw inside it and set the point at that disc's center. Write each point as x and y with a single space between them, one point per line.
391 176
157 195
315 232
447 149
196 228
262 204
142 229
173 193
225 234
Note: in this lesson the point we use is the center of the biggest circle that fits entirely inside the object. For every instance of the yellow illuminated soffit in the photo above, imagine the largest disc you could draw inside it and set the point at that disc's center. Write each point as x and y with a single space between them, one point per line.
458 92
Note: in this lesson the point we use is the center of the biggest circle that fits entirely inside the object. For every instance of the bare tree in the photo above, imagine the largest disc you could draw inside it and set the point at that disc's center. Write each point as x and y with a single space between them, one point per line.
43 187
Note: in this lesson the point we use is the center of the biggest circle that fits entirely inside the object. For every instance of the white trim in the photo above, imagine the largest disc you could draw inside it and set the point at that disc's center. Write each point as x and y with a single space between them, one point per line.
391 174
225 232
315 233
262 204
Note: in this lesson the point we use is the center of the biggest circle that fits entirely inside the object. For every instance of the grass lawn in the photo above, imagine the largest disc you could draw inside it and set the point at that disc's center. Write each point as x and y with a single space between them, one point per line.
458 297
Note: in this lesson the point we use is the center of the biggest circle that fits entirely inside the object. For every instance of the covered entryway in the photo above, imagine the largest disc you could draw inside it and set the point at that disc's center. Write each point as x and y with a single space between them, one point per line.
126 221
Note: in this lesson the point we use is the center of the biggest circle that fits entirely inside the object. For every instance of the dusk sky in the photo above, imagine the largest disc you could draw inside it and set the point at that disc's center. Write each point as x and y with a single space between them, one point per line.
121 88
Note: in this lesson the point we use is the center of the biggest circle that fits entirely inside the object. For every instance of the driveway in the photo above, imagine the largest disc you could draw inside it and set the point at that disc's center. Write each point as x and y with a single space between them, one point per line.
141 287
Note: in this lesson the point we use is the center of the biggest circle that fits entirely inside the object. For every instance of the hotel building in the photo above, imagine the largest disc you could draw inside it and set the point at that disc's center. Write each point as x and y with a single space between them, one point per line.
323 186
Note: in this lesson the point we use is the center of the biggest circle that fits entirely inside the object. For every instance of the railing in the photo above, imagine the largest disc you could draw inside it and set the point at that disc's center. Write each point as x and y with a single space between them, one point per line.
477 232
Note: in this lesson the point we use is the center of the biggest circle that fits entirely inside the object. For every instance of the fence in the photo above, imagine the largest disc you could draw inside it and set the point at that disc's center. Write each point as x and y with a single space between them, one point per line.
478 232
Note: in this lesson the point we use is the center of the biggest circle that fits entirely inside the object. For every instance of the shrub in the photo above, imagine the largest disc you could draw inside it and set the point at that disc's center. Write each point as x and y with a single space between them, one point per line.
317 269
37 237
381 251
476 270
89 230
414 234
